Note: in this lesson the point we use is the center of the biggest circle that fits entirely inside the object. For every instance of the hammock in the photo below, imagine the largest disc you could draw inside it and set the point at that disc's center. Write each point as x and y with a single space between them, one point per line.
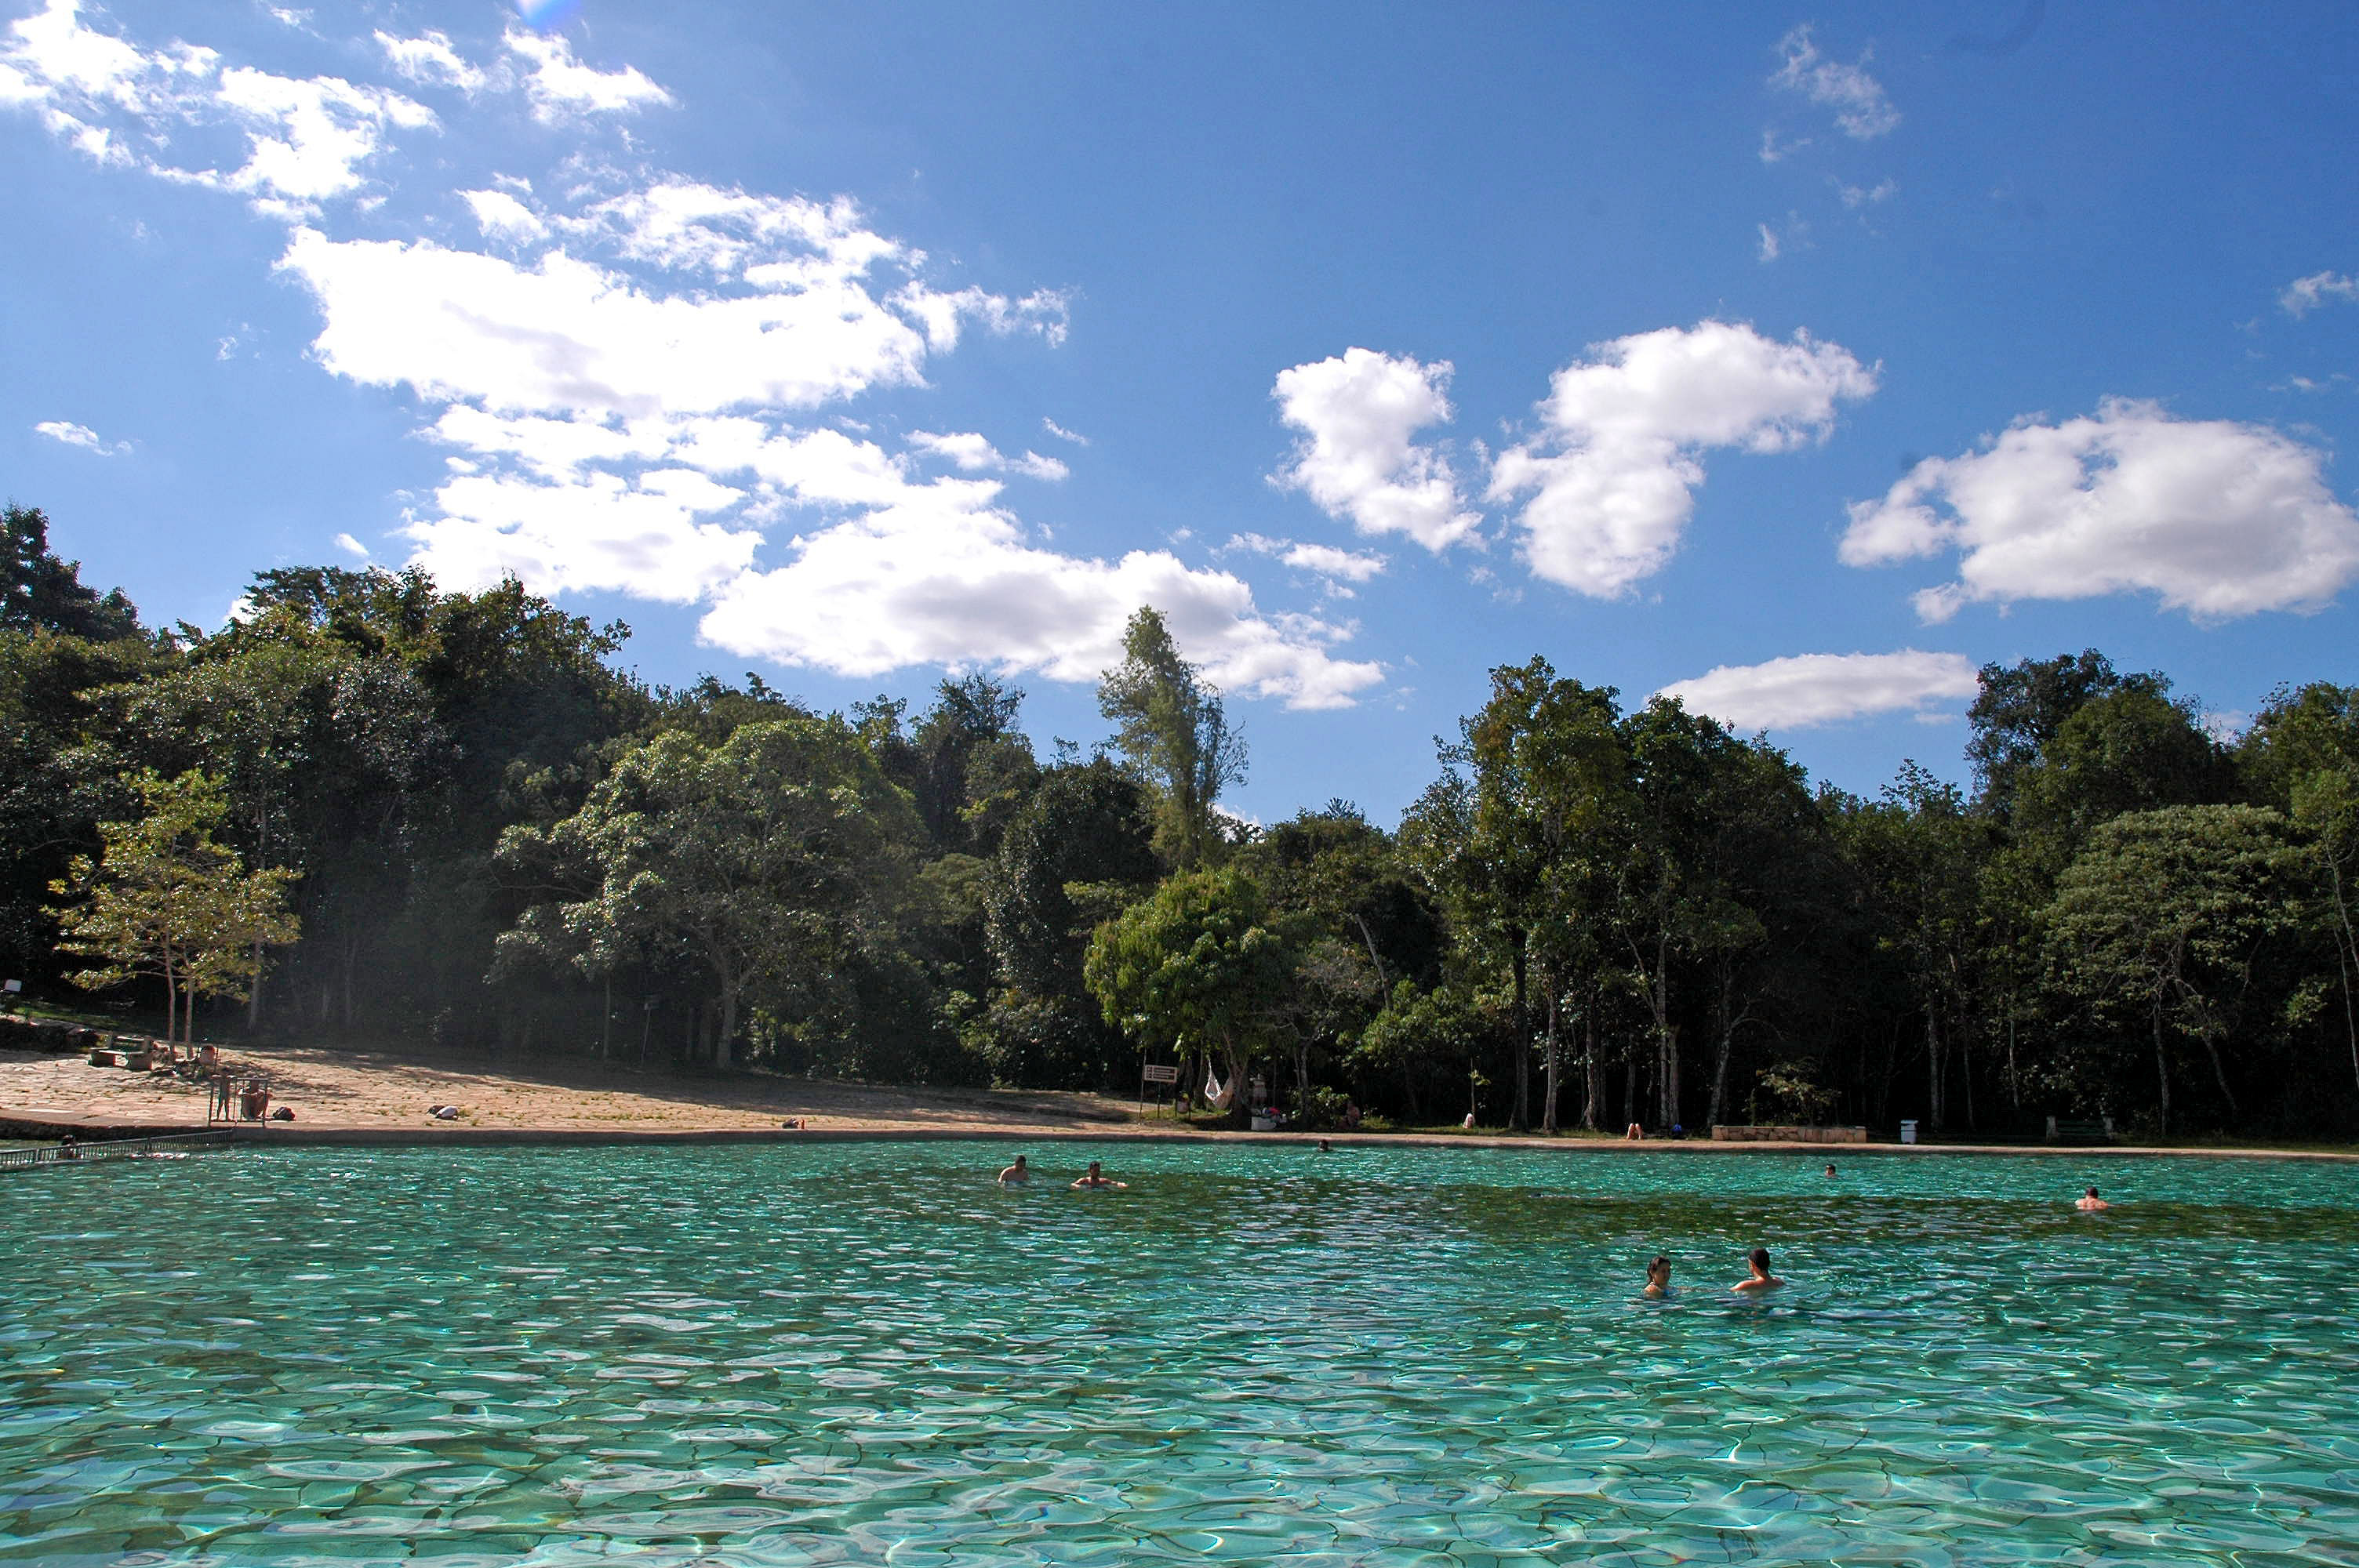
1222 1095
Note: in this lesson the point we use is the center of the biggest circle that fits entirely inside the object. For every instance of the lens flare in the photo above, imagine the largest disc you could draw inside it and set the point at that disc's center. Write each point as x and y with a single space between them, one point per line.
546 14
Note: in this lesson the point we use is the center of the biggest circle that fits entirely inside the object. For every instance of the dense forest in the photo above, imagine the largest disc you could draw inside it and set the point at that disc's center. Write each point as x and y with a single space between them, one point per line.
367 809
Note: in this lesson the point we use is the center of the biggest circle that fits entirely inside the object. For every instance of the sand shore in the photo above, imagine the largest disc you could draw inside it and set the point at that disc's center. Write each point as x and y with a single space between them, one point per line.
382 1095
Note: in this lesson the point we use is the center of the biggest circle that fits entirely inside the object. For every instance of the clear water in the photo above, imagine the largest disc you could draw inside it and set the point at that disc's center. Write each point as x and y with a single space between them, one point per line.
867 1353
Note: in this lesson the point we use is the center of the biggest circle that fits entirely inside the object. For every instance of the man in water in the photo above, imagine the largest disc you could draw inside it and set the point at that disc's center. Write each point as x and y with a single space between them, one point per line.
1015 1175
1762 1280
68 1148
1658 1278
1830 1170
1097 1178
1325 1147
2091 1202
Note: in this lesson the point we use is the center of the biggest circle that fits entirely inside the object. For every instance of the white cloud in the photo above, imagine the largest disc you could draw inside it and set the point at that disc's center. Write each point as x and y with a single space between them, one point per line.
973 454
2216 518
561 88
1612 480
1358 459
1769 247
1324 560
429 60
82 436
306 137
502 217
1061 433
1862 109
1855 196
927 584
2304 295
567 334
352 547
598 532
1806 689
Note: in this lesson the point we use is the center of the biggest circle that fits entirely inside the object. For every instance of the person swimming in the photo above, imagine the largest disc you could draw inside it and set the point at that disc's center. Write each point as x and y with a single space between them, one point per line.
1015 1175
2090 1203
1762 1280
1658 1278
1097 1178
1325 1147
1830 1170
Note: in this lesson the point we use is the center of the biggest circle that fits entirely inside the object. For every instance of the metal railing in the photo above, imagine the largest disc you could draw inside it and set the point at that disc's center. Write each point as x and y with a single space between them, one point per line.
26 1158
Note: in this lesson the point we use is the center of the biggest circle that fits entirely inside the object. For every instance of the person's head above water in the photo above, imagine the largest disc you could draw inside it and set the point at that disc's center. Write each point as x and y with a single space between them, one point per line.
1659 1269
1830 1170
1093 1167
2092 1191
1759 1258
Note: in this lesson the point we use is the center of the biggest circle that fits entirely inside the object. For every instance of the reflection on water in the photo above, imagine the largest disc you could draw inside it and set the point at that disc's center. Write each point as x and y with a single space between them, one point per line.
867 1353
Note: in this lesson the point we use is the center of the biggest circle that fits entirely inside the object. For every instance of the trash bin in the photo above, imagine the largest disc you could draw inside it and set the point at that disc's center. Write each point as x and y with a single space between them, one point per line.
1909 1133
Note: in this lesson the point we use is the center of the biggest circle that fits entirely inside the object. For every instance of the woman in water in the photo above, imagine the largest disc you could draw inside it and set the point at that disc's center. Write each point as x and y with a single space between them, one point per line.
1658 1278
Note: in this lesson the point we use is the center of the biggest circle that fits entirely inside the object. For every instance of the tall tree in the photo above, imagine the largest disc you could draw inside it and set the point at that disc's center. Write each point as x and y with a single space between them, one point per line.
165 898
2164 913
41 592
762 858
1172 727
2022 705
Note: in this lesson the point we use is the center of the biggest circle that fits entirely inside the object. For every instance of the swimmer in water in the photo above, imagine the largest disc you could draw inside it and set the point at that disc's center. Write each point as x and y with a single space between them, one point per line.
1097 1178
1762 1280
1830 1170
1658 1278
2091 1202
1015 1175
1325 1147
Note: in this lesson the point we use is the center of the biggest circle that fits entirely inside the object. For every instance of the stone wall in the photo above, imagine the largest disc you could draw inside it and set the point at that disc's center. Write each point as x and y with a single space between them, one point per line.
1789 1134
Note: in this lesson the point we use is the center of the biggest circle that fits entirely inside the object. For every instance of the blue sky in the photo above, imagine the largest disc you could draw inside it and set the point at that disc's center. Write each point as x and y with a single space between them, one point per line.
1799 362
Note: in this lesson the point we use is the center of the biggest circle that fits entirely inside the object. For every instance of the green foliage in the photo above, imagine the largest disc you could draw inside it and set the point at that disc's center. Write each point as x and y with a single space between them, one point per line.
38 592
1174 729
2163 918
165 899
1201 965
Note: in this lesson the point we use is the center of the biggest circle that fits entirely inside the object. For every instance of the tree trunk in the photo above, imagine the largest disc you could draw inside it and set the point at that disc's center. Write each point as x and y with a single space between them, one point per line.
1523 1117
1938 1064
728 1032
1593 1071
2162 1069
1629 1080
253 993
607 1018
1719 1071
1547 1110
2219 1073
1302 1081
1671 1076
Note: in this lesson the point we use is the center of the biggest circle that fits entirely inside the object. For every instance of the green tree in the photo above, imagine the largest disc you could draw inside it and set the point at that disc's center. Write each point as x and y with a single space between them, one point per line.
165 899
2020 708
1201 964
1510 843
38 592
1172 727
2164 917
761 859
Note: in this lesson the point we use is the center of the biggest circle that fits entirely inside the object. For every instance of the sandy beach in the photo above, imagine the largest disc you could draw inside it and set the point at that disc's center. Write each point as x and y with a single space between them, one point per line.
388 1092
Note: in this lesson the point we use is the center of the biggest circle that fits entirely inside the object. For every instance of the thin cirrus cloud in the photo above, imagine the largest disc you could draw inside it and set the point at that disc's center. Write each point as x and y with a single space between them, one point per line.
1612 477
2215 518
1862 109
1805 690
1359 459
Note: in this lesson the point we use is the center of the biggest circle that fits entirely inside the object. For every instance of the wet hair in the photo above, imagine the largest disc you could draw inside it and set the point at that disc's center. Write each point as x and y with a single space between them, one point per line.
1664 1264
2092 1191
1759 1258
1095 1163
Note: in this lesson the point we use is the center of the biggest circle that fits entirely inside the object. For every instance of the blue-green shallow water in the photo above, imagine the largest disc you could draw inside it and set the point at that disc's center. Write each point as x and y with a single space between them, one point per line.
867 1353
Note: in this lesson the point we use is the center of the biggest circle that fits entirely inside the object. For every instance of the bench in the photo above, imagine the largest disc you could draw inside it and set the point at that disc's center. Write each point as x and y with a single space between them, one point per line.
2079 1132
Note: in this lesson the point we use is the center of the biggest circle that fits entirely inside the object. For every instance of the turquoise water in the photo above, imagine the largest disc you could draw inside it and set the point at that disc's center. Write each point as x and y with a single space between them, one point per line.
867 1353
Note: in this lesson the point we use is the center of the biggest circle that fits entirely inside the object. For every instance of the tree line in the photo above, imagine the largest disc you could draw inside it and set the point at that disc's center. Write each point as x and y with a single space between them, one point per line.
369 808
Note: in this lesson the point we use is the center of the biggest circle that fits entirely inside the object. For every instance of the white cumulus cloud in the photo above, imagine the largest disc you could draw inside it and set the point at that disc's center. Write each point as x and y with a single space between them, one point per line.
2216 518
1612 480
82 436
561 88
306 137
1359 459
1806 689
1858 99
927 584
2304 295
429 60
